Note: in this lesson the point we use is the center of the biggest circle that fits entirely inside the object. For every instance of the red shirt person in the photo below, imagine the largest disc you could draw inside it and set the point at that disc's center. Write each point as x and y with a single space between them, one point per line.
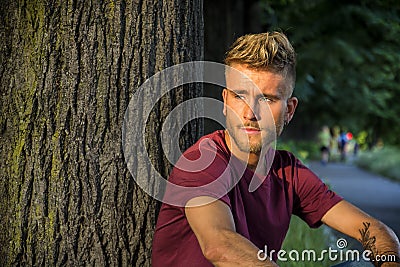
262 216
225 224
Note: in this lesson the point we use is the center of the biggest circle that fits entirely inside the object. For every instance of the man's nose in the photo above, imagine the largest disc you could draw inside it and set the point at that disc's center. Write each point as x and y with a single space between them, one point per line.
250 111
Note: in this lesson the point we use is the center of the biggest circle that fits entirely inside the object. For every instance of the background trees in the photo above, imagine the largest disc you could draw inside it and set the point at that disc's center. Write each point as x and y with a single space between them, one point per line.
67 72
348 58
348 65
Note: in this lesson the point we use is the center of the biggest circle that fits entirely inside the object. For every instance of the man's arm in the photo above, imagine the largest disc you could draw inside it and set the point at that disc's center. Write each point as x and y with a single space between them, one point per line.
373 234
214 228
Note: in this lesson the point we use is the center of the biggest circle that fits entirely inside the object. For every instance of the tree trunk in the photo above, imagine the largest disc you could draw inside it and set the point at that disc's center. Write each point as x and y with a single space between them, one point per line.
68 70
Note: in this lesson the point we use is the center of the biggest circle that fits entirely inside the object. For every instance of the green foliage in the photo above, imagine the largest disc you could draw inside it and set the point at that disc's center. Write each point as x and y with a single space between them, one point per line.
348 61
304 150
384 161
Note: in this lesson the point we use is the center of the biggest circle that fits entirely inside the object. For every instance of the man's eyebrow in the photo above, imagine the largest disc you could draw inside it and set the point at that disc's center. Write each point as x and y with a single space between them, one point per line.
238 91
243 92
272 96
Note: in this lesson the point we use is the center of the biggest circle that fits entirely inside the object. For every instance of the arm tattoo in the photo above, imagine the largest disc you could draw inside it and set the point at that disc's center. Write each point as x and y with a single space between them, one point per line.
368 242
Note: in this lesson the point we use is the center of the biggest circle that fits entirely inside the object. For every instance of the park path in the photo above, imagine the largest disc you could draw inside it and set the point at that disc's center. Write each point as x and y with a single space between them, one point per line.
374 194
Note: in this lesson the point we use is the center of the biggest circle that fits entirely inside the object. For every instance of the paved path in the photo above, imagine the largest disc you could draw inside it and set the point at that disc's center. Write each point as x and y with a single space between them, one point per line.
374 194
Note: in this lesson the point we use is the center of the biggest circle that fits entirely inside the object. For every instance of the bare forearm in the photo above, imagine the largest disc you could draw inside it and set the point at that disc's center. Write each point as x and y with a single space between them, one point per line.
382 242
235 250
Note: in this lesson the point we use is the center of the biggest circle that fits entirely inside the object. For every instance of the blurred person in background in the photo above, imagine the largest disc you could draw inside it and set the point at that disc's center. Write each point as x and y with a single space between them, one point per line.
324 138
342 145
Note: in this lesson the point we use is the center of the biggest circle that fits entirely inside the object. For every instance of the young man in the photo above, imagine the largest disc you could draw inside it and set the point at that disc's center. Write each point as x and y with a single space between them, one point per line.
228 228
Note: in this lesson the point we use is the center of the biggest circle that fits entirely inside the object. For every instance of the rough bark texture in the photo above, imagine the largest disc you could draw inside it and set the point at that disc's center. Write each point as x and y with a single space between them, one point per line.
67 72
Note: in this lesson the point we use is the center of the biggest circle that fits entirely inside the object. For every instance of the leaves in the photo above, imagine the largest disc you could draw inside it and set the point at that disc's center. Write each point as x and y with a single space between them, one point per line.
348 61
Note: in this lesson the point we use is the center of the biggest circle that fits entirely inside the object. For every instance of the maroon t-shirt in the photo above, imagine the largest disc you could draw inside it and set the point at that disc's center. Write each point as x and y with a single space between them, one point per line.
261 216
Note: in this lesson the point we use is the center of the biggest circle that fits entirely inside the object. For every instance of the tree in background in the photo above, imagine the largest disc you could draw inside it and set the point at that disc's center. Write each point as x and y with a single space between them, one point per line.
348 62
67 72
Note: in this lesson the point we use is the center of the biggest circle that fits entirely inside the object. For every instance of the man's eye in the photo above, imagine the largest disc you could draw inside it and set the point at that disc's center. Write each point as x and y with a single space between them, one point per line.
239 97
265 99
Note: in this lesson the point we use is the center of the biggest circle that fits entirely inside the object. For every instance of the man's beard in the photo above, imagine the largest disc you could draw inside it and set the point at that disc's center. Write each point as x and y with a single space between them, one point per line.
243 142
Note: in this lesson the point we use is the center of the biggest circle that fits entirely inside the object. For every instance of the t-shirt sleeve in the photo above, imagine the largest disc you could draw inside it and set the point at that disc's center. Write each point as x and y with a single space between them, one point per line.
187 182
312 197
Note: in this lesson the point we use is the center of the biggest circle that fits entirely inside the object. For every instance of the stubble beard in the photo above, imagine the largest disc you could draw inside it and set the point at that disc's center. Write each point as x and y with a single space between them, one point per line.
246 145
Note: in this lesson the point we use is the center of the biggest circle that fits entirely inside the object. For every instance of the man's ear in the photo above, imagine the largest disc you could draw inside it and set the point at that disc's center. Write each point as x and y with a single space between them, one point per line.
291 107
224 96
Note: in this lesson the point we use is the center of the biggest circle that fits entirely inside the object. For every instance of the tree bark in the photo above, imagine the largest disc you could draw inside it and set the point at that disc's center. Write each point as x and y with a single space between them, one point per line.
68 70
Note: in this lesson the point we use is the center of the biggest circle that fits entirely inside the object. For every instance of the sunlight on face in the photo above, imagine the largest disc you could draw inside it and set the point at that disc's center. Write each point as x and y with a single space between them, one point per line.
255 107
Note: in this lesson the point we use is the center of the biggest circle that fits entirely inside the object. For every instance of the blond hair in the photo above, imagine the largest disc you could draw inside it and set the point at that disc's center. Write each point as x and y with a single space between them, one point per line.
269 51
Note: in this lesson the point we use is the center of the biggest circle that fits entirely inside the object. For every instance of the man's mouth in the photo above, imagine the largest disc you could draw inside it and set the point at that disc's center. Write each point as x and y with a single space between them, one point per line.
251 130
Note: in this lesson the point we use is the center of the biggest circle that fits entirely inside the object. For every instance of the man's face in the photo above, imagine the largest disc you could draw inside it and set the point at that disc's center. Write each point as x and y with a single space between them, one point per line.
256 107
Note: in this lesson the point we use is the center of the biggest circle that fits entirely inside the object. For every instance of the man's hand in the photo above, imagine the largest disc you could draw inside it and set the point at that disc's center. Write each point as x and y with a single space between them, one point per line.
373 234
214 228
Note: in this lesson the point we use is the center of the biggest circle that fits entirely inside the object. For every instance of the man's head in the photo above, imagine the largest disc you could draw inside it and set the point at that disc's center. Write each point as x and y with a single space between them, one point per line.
258 103
265 51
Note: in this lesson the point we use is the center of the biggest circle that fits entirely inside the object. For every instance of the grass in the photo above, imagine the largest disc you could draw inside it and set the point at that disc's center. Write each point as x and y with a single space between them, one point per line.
384 161
300 237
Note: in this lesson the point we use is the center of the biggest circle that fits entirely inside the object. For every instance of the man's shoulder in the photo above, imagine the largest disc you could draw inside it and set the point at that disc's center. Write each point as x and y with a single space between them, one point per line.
203 166
286 162
213 142
284 158
208 155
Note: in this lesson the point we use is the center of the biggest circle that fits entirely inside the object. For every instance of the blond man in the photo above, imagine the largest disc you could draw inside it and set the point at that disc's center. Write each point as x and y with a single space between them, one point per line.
231 228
